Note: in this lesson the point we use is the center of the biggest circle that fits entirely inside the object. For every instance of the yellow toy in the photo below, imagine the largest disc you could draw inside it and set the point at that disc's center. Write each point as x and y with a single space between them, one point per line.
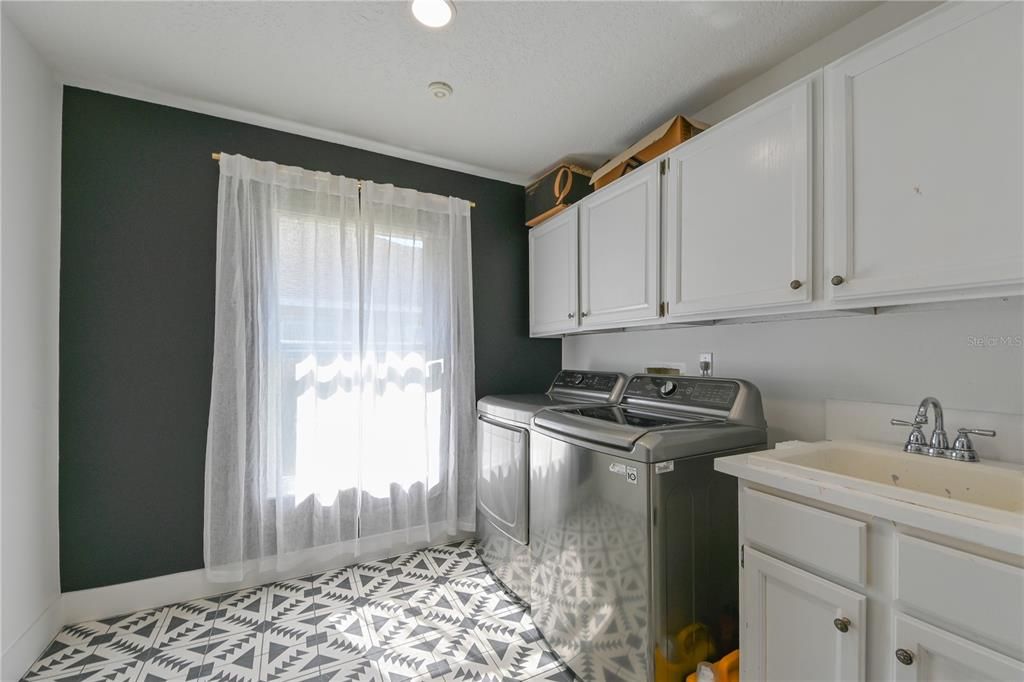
725 670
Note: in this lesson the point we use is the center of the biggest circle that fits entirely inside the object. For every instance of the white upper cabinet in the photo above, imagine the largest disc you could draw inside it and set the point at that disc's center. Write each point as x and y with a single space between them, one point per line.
894 176
619 242
738 213
553 275
924 153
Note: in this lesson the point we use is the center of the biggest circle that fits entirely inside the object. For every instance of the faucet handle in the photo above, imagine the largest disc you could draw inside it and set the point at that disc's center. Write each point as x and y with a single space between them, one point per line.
903 422
963 448
988 433
916 442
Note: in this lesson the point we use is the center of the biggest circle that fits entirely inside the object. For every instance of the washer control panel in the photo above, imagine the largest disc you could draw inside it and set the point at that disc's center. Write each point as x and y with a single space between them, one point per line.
716 394
603 382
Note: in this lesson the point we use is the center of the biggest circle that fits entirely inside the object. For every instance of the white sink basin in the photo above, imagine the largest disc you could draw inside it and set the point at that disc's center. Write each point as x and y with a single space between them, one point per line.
988 491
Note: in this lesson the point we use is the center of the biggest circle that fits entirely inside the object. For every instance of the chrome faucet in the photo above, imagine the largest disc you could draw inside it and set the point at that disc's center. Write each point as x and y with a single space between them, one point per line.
938 446
939 441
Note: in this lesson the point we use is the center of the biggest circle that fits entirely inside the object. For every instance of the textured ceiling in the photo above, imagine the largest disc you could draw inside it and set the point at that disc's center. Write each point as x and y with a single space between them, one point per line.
535 82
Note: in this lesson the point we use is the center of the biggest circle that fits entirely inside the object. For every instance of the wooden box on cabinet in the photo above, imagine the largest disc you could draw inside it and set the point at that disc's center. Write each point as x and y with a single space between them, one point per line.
670 134
555 192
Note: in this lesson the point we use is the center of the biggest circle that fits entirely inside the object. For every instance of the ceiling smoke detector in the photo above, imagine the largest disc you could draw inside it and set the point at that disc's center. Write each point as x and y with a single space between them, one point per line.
440 90
433 13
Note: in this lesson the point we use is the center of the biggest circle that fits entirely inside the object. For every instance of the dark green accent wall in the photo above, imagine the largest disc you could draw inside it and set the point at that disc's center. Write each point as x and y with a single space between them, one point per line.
138 240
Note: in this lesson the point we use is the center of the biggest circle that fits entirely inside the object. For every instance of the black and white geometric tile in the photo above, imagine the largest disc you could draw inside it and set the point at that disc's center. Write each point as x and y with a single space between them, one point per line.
435 614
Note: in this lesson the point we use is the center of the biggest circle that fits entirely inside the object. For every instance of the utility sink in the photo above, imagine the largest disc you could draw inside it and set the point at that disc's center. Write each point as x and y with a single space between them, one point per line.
989 491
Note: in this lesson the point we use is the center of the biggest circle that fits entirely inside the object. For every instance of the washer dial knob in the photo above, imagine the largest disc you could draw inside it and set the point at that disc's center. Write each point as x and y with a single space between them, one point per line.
667 388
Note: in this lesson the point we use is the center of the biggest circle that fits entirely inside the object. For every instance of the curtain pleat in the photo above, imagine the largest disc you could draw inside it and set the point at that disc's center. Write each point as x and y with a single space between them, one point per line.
342 405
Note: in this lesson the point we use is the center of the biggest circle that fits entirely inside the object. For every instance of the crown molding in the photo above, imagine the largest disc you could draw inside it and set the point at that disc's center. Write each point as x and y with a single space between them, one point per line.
142 93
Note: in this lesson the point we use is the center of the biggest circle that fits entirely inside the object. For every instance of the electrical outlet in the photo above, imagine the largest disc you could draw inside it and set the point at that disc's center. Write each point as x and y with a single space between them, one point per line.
706 362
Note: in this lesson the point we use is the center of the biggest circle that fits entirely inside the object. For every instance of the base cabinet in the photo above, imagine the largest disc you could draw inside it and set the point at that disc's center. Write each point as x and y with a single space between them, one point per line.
925 653
797 626
922 609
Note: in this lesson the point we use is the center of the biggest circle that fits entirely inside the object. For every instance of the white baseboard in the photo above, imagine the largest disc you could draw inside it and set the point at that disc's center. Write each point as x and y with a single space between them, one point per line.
114 600
26 649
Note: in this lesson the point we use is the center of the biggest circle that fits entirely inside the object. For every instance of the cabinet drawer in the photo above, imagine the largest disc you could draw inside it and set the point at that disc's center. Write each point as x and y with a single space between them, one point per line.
971 593
941 655
831 543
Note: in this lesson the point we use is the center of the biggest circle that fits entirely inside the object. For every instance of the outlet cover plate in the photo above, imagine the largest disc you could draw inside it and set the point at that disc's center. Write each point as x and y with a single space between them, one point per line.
710 359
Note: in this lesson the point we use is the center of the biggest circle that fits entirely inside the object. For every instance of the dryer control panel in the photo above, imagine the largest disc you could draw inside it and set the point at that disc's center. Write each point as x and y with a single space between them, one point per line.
602 382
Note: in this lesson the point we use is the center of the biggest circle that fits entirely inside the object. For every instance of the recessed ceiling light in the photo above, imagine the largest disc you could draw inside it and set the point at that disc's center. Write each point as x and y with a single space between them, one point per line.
440 89
433 13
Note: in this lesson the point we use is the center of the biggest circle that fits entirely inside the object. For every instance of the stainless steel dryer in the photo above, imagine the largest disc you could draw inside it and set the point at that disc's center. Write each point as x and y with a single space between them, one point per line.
503 467
633 533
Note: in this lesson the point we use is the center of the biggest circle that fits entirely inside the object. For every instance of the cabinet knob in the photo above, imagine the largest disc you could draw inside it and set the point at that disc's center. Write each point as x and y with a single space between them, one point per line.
584 314
795 284
837 280
842 624
572 315
904 657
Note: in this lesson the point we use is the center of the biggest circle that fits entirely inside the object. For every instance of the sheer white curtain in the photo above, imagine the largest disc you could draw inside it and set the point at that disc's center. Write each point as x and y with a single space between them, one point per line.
342 409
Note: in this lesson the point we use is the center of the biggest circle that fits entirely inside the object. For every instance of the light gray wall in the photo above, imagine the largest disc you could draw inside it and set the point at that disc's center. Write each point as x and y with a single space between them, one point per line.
858 32
893 357
29 264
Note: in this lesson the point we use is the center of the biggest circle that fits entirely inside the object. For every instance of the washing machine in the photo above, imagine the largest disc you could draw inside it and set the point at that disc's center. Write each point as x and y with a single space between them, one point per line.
633 532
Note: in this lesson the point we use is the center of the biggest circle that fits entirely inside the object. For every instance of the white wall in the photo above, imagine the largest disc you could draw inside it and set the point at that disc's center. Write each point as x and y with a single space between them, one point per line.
894 357
891 357
29 267
858 32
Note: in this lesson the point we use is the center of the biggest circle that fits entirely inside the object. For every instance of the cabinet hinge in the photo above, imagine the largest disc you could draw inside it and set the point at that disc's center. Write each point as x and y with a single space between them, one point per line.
661 309
664 166
742 547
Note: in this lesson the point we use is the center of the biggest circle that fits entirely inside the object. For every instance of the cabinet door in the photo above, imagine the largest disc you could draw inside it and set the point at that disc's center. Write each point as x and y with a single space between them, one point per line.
619 232
554 260
738 210
924 154
789 629
936 655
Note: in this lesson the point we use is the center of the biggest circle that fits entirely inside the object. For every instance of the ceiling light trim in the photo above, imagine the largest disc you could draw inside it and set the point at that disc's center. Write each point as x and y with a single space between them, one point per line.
433 13
144 94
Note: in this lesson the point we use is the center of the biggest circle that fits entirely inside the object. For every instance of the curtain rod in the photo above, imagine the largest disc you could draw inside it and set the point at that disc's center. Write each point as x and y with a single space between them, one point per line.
359 183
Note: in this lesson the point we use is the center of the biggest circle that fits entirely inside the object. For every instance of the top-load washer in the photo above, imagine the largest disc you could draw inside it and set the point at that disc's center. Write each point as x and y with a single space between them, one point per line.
503 467
633 532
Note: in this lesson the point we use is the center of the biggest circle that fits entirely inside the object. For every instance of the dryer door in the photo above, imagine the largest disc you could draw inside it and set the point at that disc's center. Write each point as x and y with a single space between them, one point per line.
503 475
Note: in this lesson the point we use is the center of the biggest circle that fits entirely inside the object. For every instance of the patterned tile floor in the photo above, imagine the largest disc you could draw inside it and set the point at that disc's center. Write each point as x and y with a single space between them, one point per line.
435 614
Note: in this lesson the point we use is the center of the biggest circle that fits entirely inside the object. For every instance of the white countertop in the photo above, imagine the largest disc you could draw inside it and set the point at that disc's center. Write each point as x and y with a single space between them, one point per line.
1005 538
